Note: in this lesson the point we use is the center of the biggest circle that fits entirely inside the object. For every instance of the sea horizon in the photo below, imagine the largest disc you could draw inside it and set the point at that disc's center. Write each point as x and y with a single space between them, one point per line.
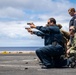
19 48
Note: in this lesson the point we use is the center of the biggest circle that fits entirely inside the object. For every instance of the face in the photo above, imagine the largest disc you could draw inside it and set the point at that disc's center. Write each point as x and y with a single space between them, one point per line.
71 13
71 30
50 23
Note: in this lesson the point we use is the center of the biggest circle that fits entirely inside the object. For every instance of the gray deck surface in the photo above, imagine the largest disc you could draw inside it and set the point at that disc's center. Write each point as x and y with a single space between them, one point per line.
25 64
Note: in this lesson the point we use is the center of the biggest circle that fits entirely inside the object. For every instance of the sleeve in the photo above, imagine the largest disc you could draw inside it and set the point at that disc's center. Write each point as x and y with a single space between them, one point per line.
74 42
38 33
44 29
71 22
75 22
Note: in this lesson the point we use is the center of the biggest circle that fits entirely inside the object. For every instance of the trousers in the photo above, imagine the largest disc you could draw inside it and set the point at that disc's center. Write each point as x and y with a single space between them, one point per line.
46 54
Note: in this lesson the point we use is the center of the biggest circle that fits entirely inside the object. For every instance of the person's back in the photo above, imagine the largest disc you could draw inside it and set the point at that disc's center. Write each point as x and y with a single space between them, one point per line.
65 34
65 37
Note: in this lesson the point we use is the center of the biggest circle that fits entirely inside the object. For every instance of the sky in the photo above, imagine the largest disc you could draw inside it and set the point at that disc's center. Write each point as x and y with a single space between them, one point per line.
15 14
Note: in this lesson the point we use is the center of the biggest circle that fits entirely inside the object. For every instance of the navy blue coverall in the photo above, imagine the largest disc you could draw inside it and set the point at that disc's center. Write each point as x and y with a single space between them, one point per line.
50 34
73 21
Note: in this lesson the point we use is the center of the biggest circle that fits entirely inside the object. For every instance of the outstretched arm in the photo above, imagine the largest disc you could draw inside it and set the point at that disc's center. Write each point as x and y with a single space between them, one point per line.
44 29
41 28
38 33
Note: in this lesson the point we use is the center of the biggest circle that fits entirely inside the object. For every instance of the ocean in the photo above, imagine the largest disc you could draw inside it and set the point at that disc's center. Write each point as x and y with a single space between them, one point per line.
18 48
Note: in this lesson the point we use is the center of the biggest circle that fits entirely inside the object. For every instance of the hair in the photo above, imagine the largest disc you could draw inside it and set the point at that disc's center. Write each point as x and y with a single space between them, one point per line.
59 25
72 9
52 20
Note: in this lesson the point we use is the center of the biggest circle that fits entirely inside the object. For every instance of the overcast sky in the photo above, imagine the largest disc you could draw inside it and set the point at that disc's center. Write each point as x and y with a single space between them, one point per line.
14 15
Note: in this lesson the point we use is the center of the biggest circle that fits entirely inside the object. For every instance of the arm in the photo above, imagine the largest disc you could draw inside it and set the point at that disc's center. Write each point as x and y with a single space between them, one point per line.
72 21
38 33
73 47
35 32
74 42
41 28
69 44
44 29
51 29
75 22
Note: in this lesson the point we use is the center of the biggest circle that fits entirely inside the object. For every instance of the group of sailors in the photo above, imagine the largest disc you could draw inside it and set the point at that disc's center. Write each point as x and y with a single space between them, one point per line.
59 46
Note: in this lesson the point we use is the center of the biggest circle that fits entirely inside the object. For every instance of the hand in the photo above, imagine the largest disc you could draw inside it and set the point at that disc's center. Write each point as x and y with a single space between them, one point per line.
32 25
68 51
68 44
29 30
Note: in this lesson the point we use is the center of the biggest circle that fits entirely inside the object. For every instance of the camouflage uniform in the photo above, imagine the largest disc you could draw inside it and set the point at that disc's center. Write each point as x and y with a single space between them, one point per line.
66 37
73 46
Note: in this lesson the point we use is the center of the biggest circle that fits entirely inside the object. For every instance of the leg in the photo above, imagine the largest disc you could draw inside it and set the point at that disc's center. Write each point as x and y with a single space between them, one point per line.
59 60
44 55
